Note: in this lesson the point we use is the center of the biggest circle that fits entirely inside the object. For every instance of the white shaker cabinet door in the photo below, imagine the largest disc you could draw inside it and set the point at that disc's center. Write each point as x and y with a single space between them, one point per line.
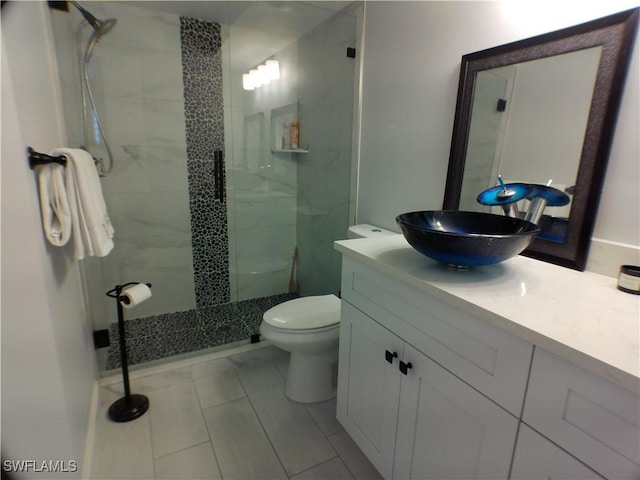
446 429
369 386
536 458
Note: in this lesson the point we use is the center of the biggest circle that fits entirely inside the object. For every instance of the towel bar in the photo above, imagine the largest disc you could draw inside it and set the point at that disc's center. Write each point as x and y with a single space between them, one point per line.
36 158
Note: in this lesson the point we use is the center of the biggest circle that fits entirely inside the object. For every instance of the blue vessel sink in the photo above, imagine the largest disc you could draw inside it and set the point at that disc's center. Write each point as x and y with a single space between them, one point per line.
466 239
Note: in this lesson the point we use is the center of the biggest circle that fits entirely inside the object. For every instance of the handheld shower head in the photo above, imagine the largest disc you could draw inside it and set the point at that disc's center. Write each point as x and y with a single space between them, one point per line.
93 21
100 28
105 27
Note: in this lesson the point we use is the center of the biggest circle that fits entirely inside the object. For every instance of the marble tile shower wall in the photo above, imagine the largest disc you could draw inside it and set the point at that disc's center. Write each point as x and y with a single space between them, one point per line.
326 118
136 73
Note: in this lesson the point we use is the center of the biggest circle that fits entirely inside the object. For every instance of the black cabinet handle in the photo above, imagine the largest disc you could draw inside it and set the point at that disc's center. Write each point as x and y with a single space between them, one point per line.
390 356
404 367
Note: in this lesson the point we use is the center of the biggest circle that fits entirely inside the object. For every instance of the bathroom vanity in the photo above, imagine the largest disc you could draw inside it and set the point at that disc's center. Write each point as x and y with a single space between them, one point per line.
517 370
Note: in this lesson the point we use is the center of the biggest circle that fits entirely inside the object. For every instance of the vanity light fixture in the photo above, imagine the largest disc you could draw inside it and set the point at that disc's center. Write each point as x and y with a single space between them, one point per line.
261 75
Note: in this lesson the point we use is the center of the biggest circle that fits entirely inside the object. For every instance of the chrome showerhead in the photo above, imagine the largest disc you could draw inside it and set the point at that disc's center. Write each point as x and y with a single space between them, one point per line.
98 25
105 27
100 28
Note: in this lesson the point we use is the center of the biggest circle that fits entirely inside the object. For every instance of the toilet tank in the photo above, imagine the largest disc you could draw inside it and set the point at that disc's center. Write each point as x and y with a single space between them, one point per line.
364 230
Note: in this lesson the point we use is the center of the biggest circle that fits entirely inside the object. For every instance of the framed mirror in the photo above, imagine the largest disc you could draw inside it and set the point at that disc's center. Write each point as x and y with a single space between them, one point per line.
543 110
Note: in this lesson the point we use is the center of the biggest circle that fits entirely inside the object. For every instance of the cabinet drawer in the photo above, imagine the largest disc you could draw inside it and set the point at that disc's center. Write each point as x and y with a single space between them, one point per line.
487 358
590 417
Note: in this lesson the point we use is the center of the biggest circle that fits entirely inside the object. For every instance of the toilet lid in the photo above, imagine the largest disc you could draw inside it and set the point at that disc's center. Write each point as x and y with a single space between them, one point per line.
305 313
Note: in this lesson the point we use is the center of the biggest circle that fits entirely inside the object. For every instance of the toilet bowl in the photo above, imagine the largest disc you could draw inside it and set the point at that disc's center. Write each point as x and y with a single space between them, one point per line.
309 329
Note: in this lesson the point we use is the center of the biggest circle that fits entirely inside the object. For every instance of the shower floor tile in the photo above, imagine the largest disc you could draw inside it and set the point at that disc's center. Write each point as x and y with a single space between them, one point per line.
224 417
169 334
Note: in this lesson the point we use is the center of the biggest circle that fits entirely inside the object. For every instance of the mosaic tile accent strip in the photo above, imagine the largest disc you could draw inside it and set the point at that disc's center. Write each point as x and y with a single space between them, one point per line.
169 334
204 117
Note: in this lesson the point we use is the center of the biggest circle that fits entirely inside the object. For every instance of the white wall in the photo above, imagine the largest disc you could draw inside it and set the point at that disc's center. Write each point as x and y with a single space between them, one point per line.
48 362
412 53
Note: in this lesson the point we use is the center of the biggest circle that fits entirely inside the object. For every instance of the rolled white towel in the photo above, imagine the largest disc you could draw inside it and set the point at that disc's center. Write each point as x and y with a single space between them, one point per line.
92 229
54 205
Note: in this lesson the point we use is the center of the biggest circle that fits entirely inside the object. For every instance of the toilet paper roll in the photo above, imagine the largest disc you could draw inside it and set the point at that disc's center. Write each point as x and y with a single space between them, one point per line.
134 295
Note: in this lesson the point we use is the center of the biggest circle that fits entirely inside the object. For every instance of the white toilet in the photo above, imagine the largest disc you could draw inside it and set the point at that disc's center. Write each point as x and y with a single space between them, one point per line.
309 328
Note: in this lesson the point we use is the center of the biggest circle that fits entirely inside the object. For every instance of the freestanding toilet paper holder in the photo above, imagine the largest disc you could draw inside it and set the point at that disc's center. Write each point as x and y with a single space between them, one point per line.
130 406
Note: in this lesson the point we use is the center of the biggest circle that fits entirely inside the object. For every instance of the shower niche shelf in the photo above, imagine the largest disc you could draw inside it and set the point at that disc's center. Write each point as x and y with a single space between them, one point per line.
281 118
290 150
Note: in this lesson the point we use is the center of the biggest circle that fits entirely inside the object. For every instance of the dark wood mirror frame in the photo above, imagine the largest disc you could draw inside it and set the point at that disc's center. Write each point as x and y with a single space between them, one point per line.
615 34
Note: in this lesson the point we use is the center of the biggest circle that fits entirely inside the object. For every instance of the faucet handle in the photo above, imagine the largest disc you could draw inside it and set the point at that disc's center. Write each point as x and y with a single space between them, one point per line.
505 193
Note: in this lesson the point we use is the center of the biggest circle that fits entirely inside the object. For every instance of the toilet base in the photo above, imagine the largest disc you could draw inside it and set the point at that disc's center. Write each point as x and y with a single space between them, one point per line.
311 377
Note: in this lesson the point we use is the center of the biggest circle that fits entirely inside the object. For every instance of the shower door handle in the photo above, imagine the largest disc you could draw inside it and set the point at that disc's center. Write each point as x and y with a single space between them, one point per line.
218 175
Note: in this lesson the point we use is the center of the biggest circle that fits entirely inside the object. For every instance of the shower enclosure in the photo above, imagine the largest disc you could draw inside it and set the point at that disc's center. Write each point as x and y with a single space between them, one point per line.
207 203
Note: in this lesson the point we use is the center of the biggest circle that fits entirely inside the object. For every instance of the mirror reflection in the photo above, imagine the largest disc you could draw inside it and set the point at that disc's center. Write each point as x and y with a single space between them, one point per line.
528 122
541 112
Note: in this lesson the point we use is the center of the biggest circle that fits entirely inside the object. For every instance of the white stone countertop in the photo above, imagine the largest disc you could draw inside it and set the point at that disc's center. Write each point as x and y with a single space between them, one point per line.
580 316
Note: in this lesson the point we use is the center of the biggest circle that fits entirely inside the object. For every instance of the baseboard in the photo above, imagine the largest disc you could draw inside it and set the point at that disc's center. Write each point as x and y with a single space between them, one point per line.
605 257
91 431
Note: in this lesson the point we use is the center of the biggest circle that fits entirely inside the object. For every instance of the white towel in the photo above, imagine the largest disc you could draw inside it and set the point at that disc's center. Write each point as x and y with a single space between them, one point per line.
92 230
56 216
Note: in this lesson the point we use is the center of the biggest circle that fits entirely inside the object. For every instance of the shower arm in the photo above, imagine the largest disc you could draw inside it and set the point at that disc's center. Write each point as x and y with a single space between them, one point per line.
93 21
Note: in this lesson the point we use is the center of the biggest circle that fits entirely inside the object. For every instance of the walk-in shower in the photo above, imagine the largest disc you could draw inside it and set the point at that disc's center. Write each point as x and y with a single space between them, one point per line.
206 202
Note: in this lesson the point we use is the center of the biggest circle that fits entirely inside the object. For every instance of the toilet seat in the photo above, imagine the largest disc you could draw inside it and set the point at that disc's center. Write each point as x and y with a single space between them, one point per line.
297 331
307 313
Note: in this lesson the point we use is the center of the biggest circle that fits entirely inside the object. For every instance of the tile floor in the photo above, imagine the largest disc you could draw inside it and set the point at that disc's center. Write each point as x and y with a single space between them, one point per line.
223 416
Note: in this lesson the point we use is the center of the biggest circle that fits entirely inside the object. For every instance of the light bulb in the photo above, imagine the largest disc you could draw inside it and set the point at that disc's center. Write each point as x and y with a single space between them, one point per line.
273 68
263 74
247 82
255 78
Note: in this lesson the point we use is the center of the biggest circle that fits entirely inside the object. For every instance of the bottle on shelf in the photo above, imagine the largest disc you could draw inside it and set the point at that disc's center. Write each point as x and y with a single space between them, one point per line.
286 136
295 135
